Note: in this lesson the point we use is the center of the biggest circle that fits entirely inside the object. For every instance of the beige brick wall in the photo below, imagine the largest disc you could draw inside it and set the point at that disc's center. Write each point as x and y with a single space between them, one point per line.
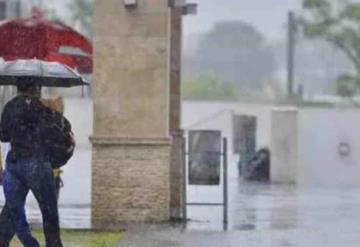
131 147
130 183
131 69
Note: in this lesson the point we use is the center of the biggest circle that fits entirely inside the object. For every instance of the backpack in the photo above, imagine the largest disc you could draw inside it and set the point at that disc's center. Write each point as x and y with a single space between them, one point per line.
58 138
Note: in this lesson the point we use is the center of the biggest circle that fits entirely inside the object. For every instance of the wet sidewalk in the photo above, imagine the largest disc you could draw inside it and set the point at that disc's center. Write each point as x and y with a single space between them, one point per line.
153 237
264 215
259 214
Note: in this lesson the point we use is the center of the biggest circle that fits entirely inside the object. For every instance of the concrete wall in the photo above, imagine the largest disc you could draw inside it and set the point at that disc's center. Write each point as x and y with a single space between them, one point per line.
320 136
131 69
284 145
306 147
215 115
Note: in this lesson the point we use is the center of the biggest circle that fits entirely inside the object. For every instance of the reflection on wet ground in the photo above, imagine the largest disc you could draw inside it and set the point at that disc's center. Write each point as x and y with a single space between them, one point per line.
259 206
263 215
259 214
252 206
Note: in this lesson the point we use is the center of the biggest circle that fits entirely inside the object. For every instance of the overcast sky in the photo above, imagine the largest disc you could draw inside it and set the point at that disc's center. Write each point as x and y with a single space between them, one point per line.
268 16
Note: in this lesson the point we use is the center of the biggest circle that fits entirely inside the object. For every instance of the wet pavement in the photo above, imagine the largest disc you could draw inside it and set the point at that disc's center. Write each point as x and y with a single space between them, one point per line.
264 215
259 214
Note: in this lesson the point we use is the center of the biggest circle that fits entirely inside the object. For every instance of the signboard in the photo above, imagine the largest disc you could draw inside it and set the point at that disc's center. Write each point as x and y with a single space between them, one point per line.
204 157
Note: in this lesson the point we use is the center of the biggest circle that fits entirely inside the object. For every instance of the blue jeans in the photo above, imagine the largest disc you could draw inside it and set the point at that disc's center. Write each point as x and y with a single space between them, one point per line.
22 227
37 176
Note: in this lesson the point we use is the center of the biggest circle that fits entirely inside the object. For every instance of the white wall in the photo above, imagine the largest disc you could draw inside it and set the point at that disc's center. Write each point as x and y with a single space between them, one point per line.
320 134
80 113
284 145
311 146
195 115
218 116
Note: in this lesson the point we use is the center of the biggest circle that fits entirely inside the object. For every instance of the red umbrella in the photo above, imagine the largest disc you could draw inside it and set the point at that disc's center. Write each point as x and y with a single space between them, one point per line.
36 37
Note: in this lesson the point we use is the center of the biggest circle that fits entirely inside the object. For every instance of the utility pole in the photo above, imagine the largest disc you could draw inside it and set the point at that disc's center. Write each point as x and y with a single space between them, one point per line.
292 26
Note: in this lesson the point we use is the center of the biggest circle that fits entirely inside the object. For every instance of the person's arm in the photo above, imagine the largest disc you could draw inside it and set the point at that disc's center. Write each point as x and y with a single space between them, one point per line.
5 125
1 169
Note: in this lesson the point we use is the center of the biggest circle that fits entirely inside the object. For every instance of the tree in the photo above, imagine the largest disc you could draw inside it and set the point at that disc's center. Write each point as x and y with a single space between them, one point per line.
236 52
346 85
339 24
82 13
207 87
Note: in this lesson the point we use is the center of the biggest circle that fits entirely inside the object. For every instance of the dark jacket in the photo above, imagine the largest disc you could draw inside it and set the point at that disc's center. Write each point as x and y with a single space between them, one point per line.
22 124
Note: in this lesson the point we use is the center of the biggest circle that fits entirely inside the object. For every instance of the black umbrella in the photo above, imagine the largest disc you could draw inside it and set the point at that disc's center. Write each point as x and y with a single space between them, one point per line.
47 74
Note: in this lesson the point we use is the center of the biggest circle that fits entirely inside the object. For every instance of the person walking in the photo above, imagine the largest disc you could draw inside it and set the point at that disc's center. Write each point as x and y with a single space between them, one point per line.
21 221
28 166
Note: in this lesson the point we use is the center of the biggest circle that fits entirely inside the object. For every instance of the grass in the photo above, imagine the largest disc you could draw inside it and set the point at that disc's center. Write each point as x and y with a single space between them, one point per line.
80 238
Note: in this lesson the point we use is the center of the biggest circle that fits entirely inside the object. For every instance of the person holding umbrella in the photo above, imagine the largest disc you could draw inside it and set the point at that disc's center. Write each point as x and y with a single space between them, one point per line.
28 167
32 129
24 228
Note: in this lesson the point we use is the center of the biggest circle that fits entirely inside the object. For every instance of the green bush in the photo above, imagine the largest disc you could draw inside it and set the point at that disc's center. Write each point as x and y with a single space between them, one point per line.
207 87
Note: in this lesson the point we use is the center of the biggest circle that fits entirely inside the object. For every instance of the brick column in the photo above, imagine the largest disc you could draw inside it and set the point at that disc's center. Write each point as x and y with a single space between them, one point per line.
131 144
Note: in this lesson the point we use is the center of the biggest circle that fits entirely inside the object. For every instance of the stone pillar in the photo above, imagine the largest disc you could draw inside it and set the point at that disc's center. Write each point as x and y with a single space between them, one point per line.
131 144
284 145
176 164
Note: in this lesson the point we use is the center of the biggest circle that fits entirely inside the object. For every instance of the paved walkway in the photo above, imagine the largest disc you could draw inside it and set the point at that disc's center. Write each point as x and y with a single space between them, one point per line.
152 237
263 215
260 215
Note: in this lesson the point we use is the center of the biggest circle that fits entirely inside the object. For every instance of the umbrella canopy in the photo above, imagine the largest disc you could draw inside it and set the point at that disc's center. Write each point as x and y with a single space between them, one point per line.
48 74
36 37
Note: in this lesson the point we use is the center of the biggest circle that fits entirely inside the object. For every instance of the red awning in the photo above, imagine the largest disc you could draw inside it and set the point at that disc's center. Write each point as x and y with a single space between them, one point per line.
27 38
